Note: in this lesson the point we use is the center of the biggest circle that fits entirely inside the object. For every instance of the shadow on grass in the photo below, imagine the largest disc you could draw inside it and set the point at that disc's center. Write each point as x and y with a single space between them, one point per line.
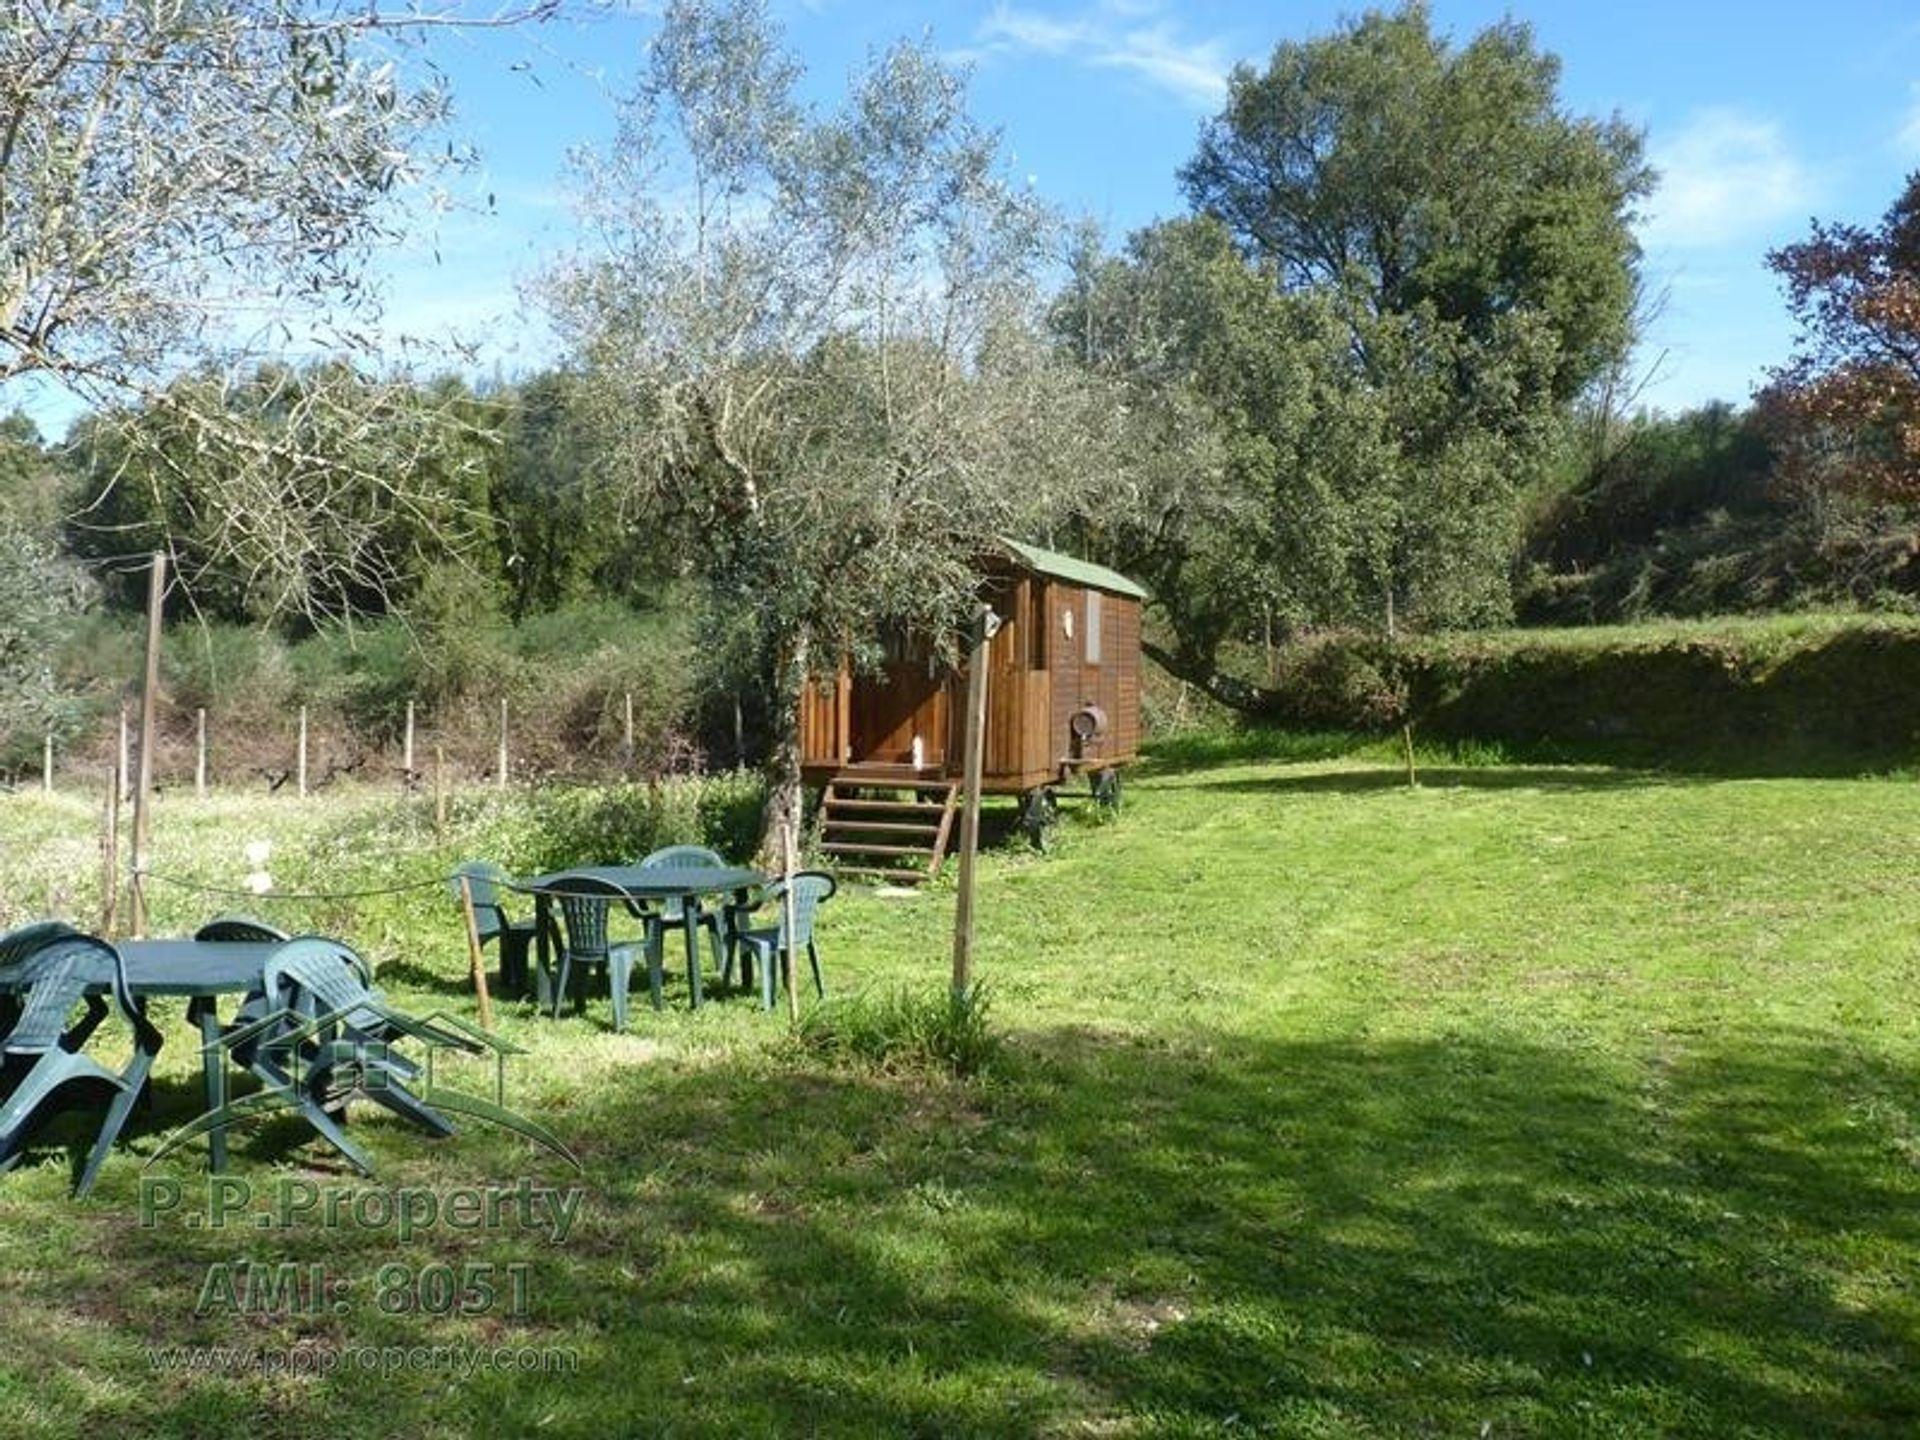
1197 1232
1762 759
411 975
1442 777
1205 750
1367 1236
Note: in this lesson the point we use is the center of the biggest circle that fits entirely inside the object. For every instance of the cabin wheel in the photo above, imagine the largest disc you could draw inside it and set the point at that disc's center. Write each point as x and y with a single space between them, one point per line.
1106 788
1038 811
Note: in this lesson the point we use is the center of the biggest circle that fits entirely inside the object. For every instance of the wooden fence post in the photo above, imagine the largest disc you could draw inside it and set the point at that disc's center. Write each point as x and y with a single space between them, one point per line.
149 702
793 955
124 766
985 622
406 748
500 778
200 753
478 964
626 752
110 856
300 761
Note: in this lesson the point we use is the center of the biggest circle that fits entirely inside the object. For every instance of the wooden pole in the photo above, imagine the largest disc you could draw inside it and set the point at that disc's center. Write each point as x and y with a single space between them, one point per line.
200 753
479 965
500 777
406 746
300 760
626 752
440 794
110 857
985 622
124 766
786 893
149 702
739 736
46 766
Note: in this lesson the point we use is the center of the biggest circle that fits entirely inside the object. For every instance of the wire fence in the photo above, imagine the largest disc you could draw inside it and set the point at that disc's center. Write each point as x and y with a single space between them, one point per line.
305 750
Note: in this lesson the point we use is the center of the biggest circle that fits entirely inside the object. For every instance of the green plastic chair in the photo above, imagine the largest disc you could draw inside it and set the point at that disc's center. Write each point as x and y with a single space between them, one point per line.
239 929
316 981
43 1070
513 937
678 912
16 945
772 947
20 943
584 902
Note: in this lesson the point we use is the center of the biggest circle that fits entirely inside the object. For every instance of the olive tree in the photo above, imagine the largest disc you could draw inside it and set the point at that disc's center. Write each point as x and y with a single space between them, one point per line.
317 541
193 184
812 342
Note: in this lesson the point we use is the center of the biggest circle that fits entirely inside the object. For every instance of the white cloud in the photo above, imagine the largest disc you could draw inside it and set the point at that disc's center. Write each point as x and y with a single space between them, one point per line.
1725 177
1908 138
1127 35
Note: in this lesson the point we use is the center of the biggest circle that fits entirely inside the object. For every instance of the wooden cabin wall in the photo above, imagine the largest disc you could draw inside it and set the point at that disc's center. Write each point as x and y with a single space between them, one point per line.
823 720
906 699
1112 683
1018 749
1038 677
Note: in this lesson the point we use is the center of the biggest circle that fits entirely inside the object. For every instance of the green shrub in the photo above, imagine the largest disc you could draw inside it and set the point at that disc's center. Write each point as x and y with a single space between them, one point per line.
609 824
1839 691
905 1030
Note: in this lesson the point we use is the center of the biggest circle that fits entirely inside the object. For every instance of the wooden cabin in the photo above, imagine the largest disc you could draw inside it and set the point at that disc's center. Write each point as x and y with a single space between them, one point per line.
1063 700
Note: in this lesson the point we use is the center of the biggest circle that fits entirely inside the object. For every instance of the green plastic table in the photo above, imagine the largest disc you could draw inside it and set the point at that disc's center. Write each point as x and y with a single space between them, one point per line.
686 883
201 971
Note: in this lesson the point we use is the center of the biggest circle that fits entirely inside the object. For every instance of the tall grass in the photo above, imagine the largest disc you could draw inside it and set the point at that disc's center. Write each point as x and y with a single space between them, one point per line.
905 1030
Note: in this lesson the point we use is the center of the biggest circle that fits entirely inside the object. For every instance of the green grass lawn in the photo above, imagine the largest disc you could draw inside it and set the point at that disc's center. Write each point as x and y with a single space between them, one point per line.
1551 1101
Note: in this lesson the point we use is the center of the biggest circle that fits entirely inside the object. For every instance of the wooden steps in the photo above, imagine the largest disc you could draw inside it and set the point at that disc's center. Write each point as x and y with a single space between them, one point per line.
884 837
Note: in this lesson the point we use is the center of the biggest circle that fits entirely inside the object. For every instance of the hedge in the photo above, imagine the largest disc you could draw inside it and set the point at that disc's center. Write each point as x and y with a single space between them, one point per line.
1781 690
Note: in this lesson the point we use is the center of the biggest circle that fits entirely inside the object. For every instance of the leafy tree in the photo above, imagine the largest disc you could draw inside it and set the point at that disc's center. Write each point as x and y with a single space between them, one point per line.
1407 264
177 175
31 478
1679 515
1668 472
290 530
39 595
1436 181
559 539
809 348
1846 406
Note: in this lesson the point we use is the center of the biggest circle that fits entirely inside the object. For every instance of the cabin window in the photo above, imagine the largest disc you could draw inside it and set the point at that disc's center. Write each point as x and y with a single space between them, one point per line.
1093 627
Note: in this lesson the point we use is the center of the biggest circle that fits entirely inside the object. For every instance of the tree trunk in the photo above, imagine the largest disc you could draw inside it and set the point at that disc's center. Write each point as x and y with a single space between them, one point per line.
784 800
1229 690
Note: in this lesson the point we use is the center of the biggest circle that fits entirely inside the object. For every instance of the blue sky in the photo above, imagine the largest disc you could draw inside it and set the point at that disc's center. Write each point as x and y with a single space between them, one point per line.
1759 115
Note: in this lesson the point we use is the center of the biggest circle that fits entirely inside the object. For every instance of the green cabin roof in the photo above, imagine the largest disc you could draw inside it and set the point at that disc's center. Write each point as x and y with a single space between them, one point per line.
1076 572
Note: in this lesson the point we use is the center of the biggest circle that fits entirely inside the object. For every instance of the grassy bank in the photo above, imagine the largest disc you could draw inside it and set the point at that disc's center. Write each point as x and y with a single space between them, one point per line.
1794 694
1535 1100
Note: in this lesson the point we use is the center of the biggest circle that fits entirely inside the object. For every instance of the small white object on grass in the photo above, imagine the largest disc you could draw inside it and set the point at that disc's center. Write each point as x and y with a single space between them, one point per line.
258 852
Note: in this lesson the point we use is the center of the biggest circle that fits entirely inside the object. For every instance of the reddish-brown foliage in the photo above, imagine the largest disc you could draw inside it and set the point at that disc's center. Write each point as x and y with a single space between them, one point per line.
1845 409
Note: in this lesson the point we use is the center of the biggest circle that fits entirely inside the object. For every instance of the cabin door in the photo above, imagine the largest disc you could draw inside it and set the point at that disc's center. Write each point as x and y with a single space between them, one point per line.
899 716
